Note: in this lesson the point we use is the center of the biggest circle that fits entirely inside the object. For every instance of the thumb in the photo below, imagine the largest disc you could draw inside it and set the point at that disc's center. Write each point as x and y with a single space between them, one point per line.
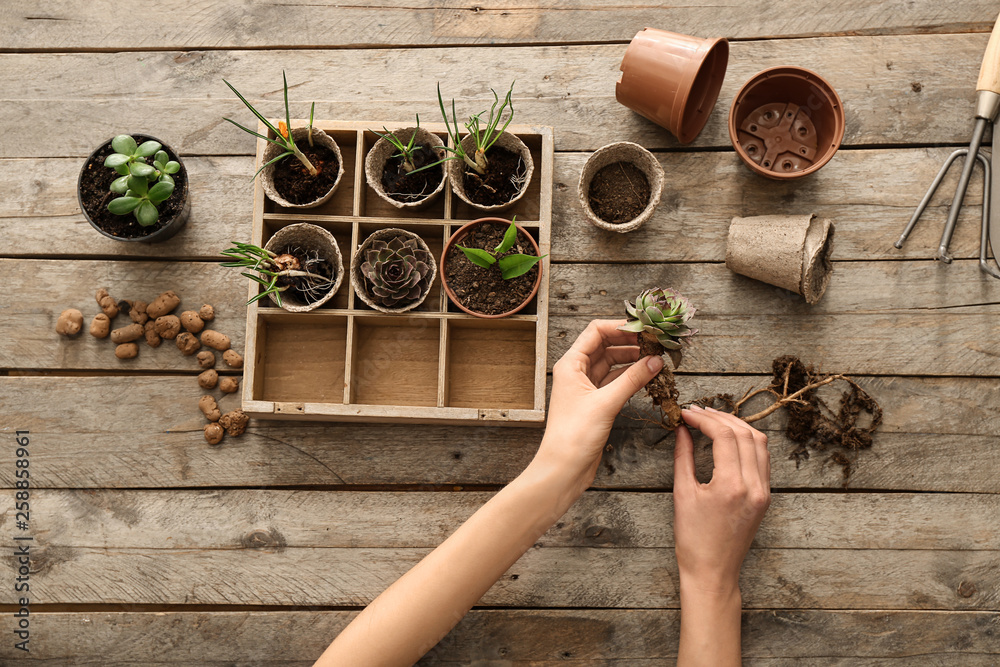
683 457
633 379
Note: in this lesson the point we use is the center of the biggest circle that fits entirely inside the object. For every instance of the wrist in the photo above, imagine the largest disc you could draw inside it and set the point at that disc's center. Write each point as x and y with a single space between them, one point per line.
566 476
716 591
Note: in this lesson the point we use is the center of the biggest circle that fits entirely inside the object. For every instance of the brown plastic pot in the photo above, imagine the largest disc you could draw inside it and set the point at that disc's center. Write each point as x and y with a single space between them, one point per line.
786 123
460 234
672 79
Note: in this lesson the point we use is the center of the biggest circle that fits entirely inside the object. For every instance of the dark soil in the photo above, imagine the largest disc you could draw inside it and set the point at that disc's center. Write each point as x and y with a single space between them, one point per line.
406 187
292 179
619 192
662 389
495 187
95 196
299 286
484 290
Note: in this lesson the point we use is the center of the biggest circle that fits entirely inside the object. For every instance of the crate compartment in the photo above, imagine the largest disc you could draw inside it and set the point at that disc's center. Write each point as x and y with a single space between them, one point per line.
342 232
528 209
342 201
373 206
395 360
532 306
434 237
300 357
490 363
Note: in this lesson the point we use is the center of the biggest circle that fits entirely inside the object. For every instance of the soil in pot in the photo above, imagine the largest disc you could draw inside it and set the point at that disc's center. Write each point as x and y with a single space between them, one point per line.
96 195
305 288
292 180
484 290
499 185
619 192
408 187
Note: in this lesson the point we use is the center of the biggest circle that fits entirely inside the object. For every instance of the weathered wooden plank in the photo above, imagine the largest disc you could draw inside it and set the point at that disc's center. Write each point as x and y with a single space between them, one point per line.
539 638
66 25
938 435
688 226
896 90
543 577
244 519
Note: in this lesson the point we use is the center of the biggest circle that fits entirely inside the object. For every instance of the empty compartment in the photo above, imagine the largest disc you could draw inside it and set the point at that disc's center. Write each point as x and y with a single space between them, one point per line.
527 209
301 357
395 360
374 206
491 364
434 236
342 201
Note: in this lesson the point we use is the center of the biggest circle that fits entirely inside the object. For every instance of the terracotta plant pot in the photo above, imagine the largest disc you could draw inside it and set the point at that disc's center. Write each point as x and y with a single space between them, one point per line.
94 168
789 251
360 283
623 151
457 237
673 80
301 137
456 169
308 238
383 150
786 122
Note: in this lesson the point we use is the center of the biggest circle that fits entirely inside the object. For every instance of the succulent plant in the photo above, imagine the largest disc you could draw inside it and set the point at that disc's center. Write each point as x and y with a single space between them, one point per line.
661 314
397 271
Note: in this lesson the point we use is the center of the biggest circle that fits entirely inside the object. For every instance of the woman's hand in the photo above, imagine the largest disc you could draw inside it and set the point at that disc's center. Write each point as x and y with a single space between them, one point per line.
715 523
588 392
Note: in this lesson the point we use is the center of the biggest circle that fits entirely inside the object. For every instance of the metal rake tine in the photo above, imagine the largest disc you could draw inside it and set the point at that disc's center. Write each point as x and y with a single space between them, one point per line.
984 264
922 206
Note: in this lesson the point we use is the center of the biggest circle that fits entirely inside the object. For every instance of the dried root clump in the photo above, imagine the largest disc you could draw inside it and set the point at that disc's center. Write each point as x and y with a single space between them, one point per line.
234 422
70 322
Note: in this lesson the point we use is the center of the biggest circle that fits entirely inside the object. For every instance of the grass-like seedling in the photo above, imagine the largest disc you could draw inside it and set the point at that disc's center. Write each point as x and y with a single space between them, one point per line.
283 136
142 186
485 137
406 150
277 273
511 266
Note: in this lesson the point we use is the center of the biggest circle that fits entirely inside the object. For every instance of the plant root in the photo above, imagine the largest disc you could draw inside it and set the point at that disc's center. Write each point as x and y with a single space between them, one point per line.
662 388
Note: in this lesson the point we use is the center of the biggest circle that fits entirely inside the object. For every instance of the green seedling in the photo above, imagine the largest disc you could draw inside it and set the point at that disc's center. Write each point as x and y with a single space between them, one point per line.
406 150
484 137
142 186
277 273
511 266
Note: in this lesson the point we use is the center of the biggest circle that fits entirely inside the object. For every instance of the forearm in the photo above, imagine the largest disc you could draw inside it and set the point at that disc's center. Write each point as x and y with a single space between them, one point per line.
413 614
710 627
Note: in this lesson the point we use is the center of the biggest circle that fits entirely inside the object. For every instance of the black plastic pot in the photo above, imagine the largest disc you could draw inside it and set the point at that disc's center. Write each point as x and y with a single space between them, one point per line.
164 229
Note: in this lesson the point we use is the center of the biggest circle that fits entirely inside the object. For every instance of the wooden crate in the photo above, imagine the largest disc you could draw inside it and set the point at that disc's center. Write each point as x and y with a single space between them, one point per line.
435 364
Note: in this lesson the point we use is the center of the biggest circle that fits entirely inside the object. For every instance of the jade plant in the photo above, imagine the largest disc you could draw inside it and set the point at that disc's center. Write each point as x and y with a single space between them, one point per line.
278 273
282 135
398 271
484 137
142 186
511 266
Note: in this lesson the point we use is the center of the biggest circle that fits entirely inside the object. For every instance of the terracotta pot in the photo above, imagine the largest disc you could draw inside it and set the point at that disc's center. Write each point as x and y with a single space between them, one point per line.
789 251
460 234
172 226
383 150
673 80
456 169
786 122
308 238
301 137
359 282
623 151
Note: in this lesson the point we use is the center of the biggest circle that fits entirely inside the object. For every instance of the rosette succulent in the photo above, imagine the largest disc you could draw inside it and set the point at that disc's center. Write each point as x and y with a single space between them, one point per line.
661 314
398 272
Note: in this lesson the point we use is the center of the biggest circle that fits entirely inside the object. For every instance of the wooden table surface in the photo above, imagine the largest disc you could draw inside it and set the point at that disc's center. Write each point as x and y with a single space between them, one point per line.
153 548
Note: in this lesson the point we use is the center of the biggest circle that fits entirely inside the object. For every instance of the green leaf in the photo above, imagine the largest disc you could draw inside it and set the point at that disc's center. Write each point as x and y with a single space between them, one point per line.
148 148
513 266
146 214
255 113
124 144
509 238
161 157
478 257
160 192
635 326
116 160
141 170
123 205
138 185
166 178
172 167
120 185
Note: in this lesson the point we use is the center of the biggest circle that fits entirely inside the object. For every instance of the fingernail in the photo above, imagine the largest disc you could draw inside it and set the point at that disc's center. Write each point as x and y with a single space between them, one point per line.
711 409
696 408
654 364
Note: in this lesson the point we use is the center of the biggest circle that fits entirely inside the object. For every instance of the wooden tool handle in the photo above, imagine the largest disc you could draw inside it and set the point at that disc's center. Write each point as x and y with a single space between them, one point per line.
989 72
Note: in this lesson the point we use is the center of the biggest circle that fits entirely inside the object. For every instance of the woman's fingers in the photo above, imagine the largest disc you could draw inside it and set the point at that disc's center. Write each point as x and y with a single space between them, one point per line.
725 449
683 458
612 356
600 334
762 469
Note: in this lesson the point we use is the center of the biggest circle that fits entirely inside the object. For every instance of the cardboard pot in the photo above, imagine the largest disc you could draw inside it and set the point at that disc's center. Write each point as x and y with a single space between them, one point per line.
383 150
623 151
301 137
94 168
456 169
786 123
789 251
360 283
672 79
307 238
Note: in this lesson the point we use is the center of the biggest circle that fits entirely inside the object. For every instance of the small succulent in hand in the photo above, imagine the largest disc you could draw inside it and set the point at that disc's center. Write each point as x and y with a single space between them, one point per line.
660 314
511 266
142 186
398 271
